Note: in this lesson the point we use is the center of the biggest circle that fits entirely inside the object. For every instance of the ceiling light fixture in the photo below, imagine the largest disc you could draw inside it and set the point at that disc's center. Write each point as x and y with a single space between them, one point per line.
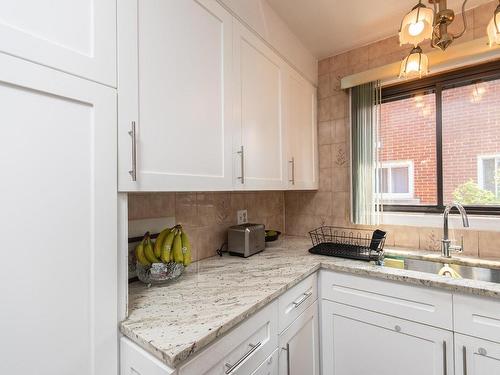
494 27
416 64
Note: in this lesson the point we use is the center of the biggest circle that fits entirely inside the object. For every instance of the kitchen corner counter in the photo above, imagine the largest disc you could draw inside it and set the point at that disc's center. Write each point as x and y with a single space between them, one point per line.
175 321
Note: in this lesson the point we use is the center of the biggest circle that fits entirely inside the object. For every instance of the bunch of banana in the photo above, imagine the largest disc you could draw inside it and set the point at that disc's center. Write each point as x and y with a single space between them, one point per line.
171 245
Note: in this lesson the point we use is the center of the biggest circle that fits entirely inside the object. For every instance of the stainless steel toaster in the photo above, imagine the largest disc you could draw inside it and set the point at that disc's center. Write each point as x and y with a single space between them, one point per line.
246 239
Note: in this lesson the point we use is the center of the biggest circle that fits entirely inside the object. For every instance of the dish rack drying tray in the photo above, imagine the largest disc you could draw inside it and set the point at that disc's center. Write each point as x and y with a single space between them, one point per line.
343 243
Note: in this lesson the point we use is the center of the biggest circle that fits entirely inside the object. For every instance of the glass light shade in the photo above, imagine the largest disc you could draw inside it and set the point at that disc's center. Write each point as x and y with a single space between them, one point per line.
416 25
493 31
416 64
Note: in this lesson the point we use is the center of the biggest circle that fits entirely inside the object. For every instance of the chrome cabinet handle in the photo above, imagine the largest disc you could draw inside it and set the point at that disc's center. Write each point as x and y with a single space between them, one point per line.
287 350
133 171
292 162
242 159
464 359
302 299
230 367
445 362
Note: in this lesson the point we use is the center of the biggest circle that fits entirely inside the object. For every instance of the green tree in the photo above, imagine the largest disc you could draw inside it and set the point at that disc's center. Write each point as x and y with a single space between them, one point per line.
470 193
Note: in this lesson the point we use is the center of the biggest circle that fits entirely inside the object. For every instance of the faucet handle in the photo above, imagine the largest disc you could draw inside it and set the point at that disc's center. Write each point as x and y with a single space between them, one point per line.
458 248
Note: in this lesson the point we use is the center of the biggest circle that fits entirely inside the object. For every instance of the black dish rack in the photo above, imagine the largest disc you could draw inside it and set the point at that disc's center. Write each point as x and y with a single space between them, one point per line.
343 243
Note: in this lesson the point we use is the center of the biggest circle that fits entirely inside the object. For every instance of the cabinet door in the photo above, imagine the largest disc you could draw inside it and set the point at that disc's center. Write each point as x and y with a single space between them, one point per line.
299 345
356 341
269 366
475 356
77 37
301 130
175 66
58 163
258 147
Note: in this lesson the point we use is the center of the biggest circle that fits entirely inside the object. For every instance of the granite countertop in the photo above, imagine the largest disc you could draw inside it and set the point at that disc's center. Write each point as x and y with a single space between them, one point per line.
173 322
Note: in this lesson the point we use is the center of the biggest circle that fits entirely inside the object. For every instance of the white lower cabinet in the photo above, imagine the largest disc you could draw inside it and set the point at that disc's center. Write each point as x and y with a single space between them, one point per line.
269 366
357 341
475 356
299 345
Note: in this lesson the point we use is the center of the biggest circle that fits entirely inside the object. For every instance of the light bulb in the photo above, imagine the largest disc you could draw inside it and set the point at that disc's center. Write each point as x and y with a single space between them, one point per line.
412 66
416 28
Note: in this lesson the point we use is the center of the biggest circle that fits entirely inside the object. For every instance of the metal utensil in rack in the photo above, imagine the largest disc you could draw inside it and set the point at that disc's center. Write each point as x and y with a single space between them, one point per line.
342 243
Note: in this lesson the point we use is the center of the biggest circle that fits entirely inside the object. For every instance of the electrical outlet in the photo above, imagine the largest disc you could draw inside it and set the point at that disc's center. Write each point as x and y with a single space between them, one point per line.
242 217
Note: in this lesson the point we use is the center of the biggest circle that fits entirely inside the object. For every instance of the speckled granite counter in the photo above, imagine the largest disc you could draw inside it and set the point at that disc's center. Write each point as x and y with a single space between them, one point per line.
172 322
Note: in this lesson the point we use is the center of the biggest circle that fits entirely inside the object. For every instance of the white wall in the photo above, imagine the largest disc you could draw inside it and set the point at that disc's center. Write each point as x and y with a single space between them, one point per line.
258 15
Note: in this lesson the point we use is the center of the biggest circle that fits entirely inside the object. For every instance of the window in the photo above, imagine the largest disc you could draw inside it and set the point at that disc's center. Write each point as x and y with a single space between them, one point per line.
488 171
395 182
446 129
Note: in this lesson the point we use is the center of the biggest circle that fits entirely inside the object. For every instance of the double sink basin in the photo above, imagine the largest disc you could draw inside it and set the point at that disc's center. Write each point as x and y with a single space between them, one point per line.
434 267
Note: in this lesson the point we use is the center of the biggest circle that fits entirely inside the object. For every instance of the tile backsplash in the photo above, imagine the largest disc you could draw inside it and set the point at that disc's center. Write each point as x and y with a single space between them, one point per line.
206 216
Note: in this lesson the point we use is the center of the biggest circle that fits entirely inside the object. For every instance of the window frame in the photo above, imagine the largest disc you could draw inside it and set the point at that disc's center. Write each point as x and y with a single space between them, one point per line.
398 164
480 170
436 84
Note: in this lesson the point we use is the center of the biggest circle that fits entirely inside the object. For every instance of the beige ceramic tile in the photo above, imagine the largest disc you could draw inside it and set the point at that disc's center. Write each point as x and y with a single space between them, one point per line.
340 130
340 155
324 110
338 106
325 132
340 179
325 180
324 86
483 14
470 240
407 237
430 238
322 204
324 66
489 244
325 156
186 211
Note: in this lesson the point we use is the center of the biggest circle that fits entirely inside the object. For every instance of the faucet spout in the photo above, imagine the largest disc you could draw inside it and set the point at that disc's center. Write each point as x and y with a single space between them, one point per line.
446 242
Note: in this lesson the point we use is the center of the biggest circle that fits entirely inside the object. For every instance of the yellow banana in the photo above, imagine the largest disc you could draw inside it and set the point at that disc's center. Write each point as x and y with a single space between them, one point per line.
177 248
148 251
159 242
186 249
167 246
139 254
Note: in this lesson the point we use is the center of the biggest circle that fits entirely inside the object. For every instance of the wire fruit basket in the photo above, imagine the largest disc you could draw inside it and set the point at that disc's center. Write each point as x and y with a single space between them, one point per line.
336 242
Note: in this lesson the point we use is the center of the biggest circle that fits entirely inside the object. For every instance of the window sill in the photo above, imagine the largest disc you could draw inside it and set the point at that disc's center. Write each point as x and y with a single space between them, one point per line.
477 222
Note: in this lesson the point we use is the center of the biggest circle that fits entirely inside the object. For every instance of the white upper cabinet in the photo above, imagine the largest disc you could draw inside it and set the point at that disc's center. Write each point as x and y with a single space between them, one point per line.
175 64
59 220
77 36
259 127
301 130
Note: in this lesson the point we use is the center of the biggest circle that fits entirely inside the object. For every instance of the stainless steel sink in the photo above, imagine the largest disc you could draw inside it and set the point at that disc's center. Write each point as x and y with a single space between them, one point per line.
466 272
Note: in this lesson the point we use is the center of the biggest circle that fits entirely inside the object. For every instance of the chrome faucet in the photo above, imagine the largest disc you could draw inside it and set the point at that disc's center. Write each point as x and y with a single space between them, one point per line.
446 246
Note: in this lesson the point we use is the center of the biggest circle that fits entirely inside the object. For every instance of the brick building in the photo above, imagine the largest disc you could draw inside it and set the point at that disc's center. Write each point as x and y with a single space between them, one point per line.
471 143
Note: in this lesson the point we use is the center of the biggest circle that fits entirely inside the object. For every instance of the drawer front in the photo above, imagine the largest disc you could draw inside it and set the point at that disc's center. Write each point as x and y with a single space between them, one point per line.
419 304
296 300
242 349
477 316
269 366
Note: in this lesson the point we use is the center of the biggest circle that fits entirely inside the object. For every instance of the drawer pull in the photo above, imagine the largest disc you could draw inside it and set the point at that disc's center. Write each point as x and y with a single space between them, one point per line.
445 359
464 359
133 171
253 348
302 299
287 350
482 351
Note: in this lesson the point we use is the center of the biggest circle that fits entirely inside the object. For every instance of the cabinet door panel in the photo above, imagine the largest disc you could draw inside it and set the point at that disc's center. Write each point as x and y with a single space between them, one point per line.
356 341
78 36
475 356
57 157
299 345
259 76
301 130
181 101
